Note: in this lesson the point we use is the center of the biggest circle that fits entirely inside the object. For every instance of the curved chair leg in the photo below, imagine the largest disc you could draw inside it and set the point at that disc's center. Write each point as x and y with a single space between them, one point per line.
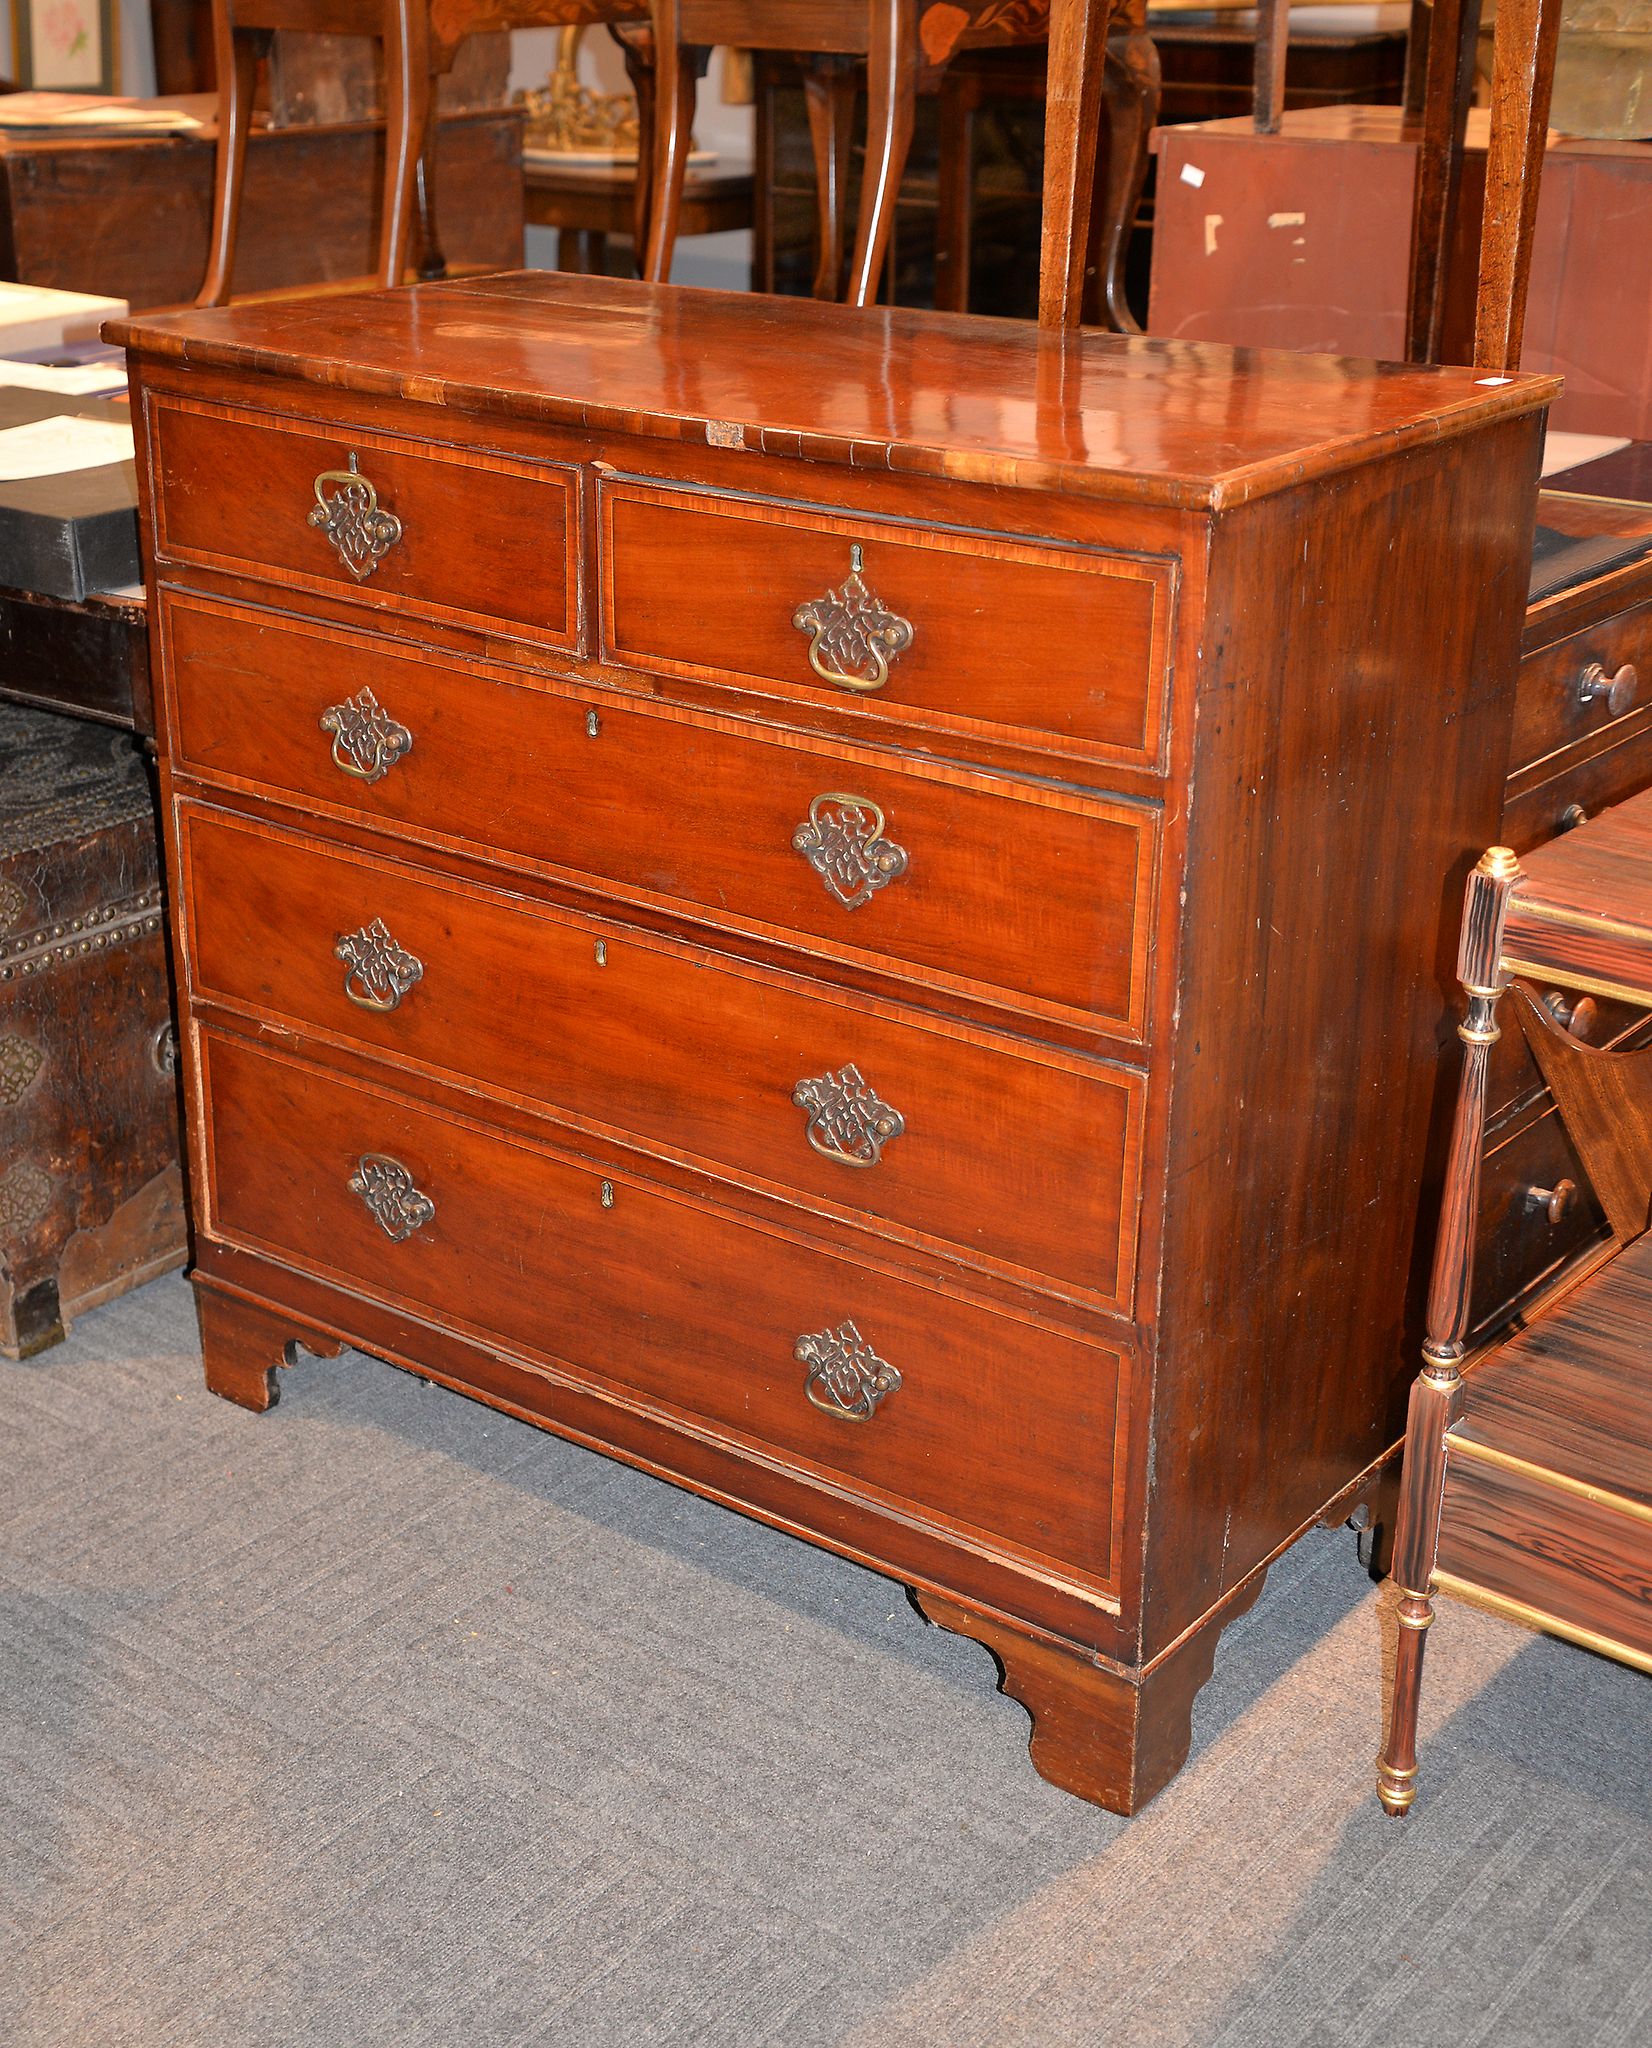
676 77
1078 44
238 51
1437 1395
407 137
891 103
829 96
1130 85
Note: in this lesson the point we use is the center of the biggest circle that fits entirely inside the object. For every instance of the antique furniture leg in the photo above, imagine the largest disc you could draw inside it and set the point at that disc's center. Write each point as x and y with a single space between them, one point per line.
676 76
238 52
242 1345
1078 44
1453 37
432 263
960 95
1436 1396
1273 32
891 102
829 95
1528 35
409 90
1130 83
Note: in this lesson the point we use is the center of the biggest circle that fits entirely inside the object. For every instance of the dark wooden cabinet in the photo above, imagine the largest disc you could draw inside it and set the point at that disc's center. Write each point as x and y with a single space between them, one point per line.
852 907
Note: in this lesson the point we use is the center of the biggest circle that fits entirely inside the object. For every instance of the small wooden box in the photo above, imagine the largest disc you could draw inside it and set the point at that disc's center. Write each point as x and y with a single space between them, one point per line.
91 1199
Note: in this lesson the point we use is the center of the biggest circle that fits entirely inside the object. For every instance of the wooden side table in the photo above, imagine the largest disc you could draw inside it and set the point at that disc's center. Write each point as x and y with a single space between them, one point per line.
587 206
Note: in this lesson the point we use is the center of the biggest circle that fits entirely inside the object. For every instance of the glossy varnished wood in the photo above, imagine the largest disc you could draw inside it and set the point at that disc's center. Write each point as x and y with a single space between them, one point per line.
1160 722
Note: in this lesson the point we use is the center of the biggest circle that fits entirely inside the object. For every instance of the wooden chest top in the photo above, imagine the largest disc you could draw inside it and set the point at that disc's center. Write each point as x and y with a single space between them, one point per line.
976 400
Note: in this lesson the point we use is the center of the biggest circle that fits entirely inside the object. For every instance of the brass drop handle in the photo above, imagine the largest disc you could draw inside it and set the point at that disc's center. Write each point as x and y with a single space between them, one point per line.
348 512
847 1379
367 741
1555 1202
853 637
845 840
1619 690
397 1204
1576 1017
380 972
849 1121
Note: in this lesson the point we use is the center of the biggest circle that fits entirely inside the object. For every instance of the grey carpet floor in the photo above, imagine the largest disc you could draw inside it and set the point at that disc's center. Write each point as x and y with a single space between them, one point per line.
382 1719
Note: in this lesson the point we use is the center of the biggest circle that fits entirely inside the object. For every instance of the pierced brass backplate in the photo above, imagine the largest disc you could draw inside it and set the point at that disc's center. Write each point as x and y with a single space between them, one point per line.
844 842
348 512
366 739
853 637
847 1378
380 971
849 1122
385 1185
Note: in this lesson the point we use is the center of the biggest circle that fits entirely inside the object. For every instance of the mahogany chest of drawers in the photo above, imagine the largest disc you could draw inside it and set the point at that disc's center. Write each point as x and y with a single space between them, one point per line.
852 907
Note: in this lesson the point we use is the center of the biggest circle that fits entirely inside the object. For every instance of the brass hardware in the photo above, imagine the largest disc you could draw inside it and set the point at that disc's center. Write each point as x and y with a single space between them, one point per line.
843 842
853 638
593 725
1619 691
849 1121
846 1378
605 1194
367 741
1556 1201
353 520
385 1185
1576 1018
163 1051
20 1060
602 952
381 972
1570 818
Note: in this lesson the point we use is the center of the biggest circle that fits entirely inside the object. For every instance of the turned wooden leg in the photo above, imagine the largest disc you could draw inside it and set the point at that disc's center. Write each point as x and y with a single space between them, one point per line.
1130 84
238 51
243 1344
829 96
407 84
676 77
891 104
1437 1394
1111 1739
1078 46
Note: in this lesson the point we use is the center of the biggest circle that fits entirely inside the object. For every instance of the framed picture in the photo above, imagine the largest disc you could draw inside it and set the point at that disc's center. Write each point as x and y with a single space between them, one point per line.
66 45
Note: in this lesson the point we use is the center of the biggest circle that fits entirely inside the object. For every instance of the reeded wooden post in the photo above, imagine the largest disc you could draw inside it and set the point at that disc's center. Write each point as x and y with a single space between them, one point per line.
1436 1398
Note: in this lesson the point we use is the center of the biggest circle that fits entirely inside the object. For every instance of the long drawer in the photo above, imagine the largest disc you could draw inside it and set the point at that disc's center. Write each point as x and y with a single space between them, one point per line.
1010 893
1014 1155
923 630
444 533
963 1414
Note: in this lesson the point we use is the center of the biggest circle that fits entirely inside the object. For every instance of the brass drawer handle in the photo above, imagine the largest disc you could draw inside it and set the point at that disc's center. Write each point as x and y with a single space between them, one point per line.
853 637
381 972
847 1379
849 1122
1619 691
351 517
398 1207
367 741
844 842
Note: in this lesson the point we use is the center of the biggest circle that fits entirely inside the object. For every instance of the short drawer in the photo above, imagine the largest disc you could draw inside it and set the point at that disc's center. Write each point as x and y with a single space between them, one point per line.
928 632
965 1414
443 533
1591 1020
1537 813
1537 1212
1582 685
1003 892
1013 1155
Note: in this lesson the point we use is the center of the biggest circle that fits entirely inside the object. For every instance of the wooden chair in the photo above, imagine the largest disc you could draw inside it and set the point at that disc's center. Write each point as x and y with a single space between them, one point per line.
901 40
421 38
1527 1484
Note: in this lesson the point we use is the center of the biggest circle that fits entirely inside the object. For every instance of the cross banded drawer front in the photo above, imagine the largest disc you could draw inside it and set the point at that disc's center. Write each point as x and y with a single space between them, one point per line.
442 533
1030 899
933 633
1583 686
1585 786
1012 1155
621 1282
